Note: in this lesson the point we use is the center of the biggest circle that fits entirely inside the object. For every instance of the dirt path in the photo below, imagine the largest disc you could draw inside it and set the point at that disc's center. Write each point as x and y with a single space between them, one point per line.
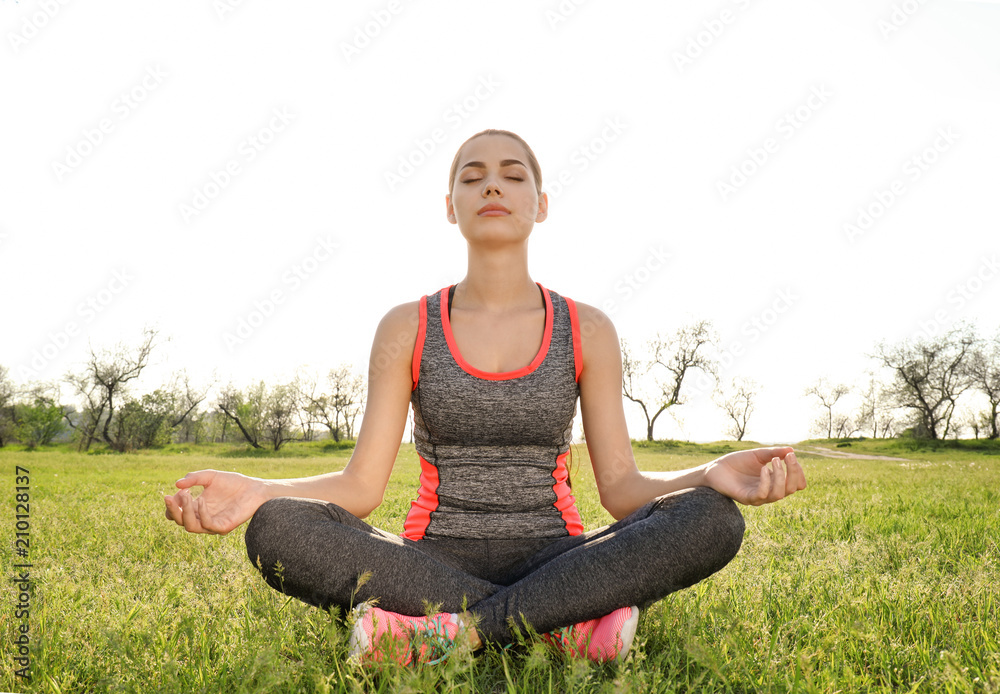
830 453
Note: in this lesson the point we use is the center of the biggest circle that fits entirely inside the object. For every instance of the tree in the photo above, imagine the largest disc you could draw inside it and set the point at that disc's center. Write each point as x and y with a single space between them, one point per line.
145 423
263 415
92 413
111 371
245 412
976 422
39 417
875 413
843 426
928 377
7 394
828 396
280 410
738 406
677 355
984 370
338 409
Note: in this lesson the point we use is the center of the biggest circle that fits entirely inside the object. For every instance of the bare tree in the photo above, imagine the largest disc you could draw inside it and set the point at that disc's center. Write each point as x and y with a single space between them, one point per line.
338 409
91 414
305 389
828 396
263 414
245 412
188 397
843 426
678 355
875 413
738 405
347 390
984 370
103 386
928 377
111 371
976 422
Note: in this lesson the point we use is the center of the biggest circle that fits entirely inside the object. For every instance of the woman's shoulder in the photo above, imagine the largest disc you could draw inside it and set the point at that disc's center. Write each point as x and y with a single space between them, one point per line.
598 337
592 318
399 325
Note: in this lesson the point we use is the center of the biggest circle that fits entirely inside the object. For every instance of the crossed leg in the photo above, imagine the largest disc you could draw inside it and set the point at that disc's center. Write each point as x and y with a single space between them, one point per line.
668 544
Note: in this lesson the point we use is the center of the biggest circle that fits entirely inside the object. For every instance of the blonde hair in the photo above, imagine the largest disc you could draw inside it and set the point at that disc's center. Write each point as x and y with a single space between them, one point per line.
536 170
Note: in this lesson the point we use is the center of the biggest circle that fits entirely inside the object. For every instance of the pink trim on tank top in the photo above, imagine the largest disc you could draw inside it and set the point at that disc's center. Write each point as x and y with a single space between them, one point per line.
418 346
574 320
565 502
489 375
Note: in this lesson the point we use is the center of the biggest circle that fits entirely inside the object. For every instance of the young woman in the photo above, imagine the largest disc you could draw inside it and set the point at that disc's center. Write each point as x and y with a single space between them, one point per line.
493 367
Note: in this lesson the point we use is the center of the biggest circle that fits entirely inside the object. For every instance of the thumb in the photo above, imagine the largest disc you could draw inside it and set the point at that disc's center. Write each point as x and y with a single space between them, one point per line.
192 479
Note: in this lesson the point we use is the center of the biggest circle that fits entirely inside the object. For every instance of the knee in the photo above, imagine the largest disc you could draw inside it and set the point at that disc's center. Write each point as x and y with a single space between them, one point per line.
266 529
722 515
716 520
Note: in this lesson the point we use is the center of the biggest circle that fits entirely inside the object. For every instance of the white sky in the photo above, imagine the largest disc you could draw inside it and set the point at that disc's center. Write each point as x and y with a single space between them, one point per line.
868 100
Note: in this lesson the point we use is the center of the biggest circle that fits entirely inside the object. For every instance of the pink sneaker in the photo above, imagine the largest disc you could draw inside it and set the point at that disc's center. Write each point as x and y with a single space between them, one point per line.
601 640
422 639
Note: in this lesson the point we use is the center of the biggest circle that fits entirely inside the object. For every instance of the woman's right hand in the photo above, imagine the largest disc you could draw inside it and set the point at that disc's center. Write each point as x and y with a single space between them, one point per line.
228 500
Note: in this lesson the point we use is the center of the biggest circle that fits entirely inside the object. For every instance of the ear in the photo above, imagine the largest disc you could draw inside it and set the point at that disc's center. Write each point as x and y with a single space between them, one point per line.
450 209
543 207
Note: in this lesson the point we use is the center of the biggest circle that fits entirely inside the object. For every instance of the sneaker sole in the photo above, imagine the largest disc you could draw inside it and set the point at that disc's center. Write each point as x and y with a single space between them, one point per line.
628 633
359 643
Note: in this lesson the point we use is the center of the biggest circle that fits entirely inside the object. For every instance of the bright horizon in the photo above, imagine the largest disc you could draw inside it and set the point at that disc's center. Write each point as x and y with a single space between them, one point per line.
701 163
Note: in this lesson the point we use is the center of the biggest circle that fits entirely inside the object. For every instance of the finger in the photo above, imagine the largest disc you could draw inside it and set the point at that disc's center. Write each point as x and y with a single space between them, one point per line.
206 519
174 510
763 487
192 479
766 455
796 475
191 522
778 481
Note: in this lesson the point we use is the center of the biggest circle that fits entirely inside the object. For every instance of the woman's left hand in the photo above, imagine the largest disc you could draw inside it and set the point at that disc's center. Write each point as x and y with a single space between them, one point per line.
756 476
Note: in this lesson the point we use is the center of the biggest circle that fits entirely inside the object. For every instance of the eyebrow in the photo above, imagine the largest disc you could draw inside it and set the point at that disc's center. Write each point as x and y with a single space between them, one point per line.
505 162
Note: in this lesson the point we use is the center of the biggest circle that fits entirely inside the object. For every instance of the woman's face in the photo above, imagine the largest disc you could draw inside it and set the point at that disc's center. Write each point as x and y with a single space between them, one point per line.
493 173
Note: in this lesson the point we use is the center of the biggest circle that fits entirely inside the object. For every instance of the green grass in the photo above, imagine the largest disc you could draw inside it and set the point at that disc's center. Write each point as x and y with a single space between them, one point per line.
880 577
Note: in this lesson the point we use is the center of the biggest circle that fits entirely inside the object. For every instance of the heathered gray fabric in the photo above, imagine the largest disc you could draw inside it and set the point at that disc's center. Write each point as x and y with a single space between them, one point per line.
495 442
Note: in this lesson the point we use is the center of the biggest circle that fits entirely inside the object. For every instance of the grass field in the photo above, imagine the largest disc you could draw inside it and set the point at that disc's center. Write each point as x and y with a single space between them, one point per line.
882 576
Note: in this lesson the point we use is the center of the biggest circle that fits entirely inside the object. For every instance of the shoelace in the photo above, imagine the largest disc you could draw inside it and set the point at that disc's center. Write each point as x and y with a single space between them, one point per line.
562 637
434 635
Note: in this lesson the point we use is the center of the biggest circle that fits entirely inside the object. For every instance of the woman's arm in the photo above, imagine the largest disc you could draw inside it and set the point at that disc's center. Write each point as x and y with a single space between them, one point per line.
229 499
755 476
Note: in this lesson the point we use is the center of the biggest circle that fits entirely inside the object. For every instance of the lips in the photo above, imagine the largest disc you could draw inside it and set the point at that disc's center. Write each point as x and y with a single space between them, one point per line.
493 210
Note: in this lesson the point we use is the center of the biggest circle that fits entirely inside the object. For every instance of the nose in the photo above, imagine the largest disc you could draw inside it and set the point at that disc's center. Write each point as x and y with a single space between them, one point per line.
492 189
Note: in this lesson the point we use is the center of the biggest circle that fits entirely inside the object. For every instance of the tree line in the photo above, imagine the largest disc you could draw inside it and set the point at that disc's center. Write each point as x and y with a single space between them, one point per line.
107 412
914 390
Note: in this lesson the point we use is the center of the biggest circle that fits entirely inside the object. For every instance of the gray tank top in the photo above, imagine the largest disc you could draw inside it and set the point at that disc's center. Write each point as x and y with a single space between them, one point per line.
493 447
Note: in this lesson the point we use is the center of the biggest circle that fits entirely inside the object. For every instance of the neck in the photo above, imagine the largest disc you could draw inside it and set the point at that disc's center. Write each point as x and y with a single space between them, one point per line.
497 281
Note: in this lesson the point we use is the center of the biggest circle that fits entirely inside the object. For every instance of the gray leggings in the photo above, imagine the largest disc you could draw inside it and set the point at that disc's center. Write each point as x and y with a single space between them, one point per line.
668 544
